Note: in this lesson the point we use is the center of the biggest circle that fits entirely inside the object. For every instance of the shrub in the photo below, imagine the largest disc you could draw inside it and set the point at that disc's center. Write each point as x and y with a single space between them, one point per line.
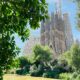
54 62
21 72
33 70
75 76
69 76
78 77
42 54
50 74
57 70
47 75
24 66
36 71
65 76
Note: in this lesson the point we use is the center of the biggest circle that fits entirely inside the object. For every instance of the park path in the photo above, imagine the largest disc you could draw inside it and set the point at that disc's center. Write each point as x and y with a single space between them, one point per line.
16 77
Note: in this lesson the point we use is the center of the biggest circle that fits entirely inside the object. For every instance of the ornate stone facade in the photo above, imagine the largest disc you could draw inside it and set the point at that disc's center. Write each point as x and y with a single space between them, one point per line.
28 48
56 33
68 31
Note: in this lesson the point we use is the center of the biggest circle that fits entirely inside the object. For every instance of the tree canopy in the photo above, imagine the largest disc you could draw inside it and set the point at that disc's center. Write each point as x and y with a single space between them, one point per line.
73 57
42 54
15 15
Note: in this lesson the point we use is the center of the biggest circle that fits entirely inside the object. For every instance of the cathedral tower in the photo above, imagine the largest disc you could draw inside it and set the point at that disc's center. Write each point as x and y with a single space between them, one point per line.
68 31
55 34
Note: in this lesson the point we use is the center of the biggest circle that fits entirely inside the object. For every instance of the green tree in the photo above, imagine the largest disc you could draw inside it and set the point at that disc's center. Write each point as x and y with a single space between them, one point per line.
42 54
42 57
73 57
15 63
15 15
23 62
67 56
75 51
24 65
13 66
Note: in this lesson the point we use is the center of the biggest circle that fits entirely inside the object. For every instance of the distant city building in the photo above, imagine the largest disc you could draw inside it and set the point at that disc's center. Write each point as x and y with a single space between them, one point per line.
28 48
56 32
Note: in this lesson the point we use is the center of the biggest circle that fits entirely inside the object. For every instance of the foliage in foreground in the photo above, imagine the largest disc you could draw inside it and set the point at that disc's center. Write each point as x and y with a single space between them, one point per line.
42 54
73 57
15 15
41 60
23 66
42 64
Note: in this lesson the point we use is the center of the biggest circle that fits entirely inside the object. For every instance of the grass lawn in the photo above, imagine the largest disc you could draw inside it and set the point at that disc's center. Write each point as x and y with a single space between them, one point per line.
16 77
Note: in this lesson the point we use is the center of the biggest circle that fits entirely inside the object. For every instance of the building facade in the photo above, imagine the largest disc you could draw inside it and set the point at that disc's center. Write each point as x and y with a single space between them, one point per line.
28 48
56 32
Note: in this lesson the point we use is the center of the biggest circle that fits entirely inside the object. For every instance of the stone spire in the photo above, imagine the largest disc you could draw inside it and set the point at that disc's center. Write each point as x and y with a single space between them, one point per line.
58 7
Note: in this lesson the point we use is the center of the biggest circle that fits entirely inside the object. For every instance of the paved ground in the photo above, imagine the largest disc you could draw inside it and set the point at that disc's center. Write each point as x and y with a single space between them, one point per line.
16 77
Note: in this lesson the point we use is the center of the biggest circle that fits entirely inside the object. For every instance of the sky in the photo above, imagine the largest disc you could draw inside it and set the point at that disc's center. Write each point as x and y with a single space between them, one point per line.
67 7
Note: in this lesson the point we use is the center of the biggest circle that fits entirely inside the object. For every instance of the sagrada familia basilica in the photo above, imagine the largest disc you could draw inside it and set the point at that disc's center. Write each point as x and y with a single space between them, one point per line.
56 31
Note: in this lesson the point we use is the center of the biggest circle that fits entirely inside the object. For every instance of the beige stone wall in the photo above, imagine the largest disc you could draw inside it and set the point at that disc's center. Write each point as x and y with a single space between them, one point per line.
68 31
54 34
28 47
